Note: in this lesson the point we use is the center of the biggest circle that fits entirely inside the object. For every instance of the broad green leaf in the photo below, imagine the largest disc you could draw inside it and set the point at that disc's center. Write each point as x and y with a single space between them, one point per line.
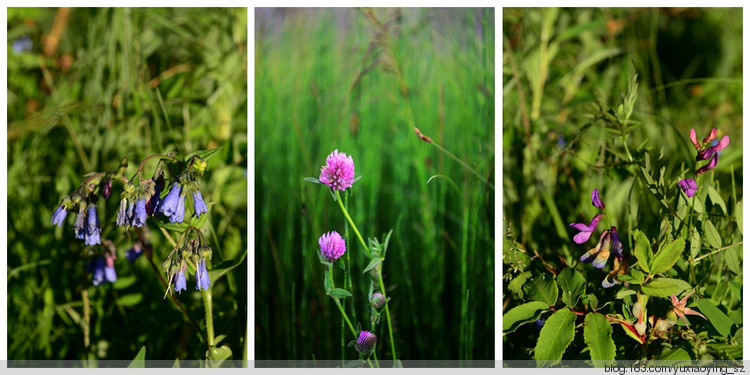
732 350
667 256
635 277
711 235
542 288
373 263
716 198
695 244
339 293
198 222
522 314
592 301
558 332
718 319
220 270
732 260
124 282
204 154
738 215
572 284
664 287
597 332
172 227
130 299
624 293
140 359
675 354
516 285
643 251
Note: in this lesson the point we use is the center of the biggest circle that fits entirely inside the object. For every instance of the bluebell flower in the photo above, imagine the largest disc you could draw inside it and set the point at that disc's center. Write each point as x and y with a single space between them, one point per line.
122 213
139 217
199 204
80 225
179 214
201 276
58 217
103 269
153 201
93 229
170 204
133 253
179 281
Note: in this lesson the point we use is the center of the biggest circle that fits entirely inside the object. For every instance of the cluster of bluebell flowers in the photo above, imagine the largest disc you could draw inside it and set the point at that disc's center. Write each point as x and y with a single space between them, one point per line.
609 243
140 198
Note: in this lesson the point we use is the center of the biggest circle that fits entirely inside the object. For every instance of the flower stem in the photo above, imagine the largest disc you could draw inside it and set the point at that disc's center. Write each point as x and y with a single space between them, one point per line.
338 304
388 318
208 303
463 164
143 163
362 241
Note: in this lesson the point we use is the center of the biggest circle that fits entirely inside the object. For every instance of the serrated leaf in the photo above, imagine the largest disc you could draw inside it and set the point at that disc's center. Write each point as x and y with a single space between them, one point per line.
204 154
172 227
220 270
738 215
339 293
716 198
643 251
572 284
718 319
542 288
558 332
516 285
597 333
664 287
140 359
711 235
522 314
373 263
667 256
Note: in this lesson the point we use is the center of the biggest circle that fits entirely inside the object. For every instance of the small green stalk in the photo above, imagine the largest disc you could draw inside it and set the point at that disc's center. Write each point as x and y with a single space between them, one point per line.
362 241
208 303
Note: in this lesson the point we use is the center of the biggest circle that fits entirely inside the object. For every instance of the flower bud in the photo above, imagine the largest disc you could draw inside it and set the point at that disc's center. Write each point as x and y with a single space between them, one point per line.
377 300
366 342
107 189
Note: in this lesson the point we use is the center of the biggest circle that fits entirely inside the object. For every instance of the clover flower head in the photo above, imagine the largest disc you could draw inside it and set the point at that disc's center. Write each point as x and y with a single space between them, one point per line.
377 300
595 199
332 246
58 217
585 230
93 229
198 204
598 256
365 342
201 276
338 173
689 186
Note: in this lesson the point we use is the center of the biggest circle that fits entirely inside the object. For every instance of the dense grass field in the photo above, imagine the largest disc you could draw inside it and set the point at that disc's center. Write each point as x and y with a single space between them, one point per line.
86 88
605 99
359 81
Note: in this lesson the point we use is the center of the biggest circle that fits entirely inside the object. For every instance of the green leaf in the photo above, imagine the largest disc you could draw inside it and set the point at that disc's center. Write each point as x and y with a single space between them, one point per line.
624 293
597 332
140 359
738 215
516 285
198 222
716 198
373 263
635 277
732 260
218 355
695 244
172 227
711 235
667 256
339 293
573 285
542 288
522 314
664 287
558 332
130 299
326 281
124 282
313 179
718 319
675 354
204 154
220 270
643 251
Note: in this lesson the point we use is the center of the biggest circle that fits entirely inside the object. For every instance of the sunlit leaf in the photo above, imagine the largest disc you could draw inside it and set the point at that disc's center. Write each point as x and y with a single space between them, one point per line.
558 332
522 314
597 333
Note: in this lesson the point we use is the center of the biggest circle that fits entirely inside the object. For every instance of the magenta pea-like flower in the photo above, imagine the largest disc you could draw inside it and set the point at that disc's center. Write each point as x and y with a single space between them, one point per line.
585 230
710 151
689 186
598 256
338 173
332 246
711 165
595 199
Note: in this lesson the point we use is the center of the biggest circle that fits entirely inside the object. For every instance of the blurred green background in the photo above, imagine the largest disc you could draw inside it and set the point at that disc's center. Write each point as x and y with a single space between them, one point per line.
564 66
87 87
360 80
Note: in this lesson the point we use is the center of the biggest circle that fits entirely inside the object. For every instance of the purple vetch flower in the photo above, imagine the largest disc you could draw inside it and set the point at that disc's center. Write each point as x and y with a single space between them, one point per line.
332 246
616 244
694 139
598 256
58 217
711 165
198 204
689 186
595 199
201 276
103 269
365 342
715 147
179 281
585 230
377 300
93 229
338 173
133 253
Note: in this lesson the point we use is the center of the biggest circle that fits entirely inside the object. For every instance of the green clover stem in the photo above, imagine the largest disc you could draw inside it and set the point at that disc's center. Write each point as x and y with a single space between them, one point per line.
208 303
356 231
